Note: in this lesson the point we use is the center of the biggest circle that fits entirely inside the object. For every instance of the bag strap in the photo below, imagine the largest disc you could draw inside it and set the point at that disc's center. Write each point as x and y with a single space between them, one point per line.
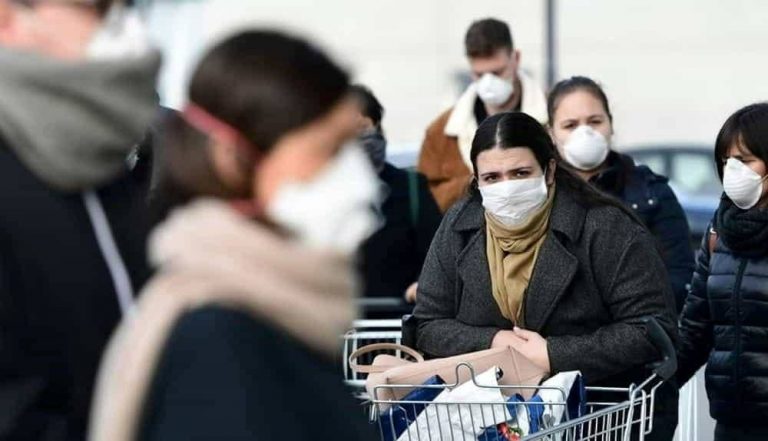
367 349
413 196
712 241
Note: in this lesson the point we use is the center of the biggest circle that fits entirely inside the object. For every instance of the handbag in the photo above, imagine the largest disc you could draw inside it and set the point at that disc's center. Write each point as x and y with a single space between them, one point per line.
516 370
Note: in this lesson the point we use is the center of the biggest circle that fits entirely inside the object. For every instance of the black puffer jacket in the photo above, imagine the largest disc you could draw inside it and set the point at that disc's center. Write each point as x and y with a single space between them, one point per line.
725 324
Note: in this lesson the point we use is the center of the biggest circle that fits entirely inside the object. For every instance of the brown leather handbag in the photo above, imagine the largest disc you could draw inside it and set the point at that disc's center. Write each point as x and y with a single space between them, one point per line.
386 369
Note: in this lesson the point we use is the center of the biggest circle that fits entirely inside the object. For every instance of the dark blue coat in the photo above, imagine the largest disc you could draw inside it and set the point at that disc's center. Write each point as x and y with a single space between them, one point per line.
725 324
654 202
393 256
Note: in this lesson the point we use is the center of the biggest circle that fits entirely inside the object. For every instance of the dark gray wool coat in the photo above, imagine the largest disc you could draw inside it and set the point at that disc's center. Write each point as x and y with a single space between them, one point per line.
598 272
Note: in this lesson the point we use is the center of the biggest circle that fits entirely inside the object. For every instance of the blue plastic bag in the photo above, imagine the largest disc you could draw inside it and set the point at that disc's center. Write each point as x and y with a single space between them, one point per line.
395 420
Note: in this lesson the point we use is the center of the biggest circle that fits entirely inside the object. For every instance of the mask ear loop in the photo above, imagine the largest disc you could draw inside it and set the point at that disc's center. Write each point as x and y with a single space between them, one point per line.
222 132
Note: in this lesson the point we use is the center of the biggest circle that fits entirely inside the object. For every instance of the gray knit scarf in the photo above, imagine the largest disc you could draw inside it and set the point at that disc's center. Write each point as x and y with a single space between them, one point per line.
73 123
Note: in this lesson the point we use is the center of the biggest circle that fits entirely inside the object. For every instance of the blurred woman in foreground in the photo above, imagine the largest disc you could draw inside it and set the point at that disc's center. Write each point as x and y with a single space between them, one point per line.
235 336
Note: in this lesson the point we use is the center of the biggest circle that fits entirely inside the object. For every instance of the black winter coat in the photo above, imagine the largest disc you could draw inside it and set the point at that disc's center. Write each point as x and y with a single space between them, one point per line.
224 375
596 275
725 325
654 202
393 256
58 304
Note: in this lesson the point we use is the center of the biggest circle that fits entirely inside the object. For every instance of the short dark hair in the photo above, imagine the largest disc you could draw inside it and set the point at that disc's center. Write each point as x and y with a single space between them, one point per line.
573 84
487 36
748 126
369 105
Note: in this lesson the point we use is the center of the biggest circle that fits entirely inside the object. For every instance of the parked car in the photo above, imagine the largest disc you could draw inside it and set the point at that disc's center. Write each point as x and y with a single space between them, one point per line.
405 156
692 175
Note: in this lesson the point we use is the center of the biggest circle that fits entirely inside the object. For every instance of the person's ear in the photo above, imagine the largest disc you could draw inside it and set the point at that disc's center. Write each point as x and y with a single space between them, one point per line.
551 131
551 169
366 124
230 167
516 58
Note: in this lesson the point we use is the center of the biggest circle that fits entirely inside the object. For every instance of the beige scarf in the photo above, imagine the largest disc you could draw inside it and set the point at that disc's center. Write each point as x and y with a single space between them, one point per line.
209 254
512 254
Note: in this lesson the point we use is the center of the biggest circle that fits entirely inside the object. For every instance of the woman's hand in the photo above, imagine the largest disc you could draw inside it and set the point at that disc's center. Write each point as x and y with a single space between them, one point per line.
532 345
504 339
410 293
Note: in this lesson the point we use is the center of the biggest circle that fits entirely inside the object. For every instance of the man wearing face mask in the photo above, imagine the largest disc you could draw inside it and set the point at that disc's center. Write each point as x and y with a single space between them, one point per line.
500 86
78 85
393 256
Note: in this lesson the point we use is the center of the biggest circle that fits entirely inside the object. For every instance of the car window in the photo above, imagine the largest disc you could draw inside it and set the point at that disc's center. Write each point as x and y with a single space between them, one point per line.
654 161
694 173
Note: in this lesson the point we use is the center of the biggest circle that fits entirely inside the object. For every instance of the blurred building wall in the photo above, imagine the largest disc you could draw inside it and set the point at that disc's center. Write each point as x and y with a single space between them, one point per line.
673 70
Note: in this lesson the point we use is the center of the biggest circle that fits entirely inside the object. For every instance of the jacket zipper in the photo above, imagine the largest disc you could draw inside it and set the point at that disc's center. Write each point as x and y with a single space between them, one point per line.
737 305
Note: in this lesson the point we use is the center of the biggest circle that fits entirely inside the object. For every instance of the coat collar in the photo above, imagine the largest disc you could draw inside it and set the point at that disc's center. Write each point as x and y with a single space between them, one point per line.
462 118
614 178
555 266
462 123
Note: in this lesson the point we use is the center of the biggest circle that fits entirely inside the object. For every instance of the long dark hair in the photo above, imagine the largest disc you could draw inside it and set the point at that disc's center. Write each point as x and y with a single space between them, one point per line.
261 83
515 130
748 125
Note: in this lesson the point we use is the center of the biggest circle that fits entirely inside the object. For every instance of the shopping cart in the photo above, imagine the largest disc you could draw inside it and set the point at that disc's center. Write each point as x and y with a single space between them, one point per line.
363 333
620 414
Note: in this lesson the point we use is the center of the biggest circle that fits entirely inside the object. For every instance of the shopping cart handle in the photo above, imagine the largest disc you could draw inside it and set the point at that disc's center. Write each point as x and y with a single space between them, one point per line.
667 366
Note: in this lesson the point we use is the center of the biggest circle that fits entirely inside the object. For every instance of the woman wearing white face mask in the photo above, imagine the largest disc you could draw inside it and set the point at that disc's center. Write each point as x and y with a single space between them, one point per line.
238 330
582 125
536 259
725 320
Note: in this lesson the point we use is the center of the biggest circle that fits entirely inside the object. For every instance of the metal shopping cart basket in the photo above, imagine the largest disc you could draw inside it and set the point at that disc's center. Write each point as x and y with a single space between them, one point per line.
620 414
363 333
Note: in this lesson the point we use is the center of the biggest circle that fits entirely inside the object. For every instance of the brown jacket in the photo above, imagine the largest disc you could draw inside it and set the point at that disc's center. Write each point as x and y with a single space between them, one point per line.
440 161
444 157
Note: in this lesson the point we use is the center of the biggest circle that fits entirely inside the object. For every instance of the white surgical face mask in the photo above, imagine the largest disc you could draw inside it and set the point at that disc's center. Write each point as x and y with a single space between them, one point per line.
586 148
335 209
742 185
493 90
512 202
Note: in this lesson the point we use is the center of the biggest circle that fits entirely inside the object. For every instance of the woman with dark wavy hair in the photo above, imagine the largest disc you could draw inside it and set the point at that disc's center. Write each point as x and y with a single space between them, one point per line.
537 259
